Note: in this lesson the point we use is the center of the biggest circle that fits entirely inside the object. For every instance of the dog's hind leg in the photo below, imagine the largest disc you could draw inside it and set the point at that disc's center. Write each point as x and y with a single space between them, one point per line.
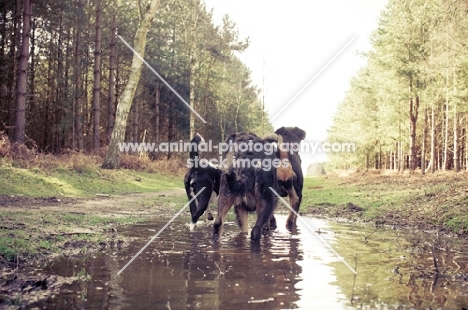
213 200
294 202
242 217
273 225
264 214
224 205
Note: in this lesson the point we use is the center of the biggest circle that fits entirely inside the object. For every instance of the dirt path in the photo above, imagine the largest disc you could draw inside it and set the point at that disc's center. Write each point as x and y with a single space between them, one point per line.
133 204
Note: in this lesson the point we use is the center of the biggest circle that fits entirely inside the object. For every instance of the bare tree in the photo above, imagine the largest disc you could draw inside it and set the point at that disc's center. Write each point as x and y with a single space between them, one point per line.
125 101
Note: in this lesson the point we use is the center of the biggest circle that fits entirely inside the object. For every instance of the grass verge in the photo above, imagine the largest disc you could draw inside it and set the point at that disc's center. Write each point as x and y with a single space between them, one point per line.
49 205
434 201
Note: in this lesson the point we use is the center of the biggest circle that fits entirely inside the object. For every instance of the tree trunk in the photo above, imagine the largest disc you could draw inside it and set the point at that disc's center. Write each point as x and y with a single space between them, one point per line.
135 120
157 98
466 143
446 122
111 94
125 100
86 114
66 93
401 159
12 75
171 125
97 79
49 99
20 114
193 64
424 138
456 162
32 75
413 116
432 161
367 161
239 102
77 104
58 108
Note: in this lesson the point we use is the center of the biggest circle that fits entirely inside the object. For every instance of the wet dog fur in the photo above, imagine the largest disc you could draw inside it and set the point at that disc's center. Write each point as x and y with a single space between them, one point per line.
247 188
195 179
291 179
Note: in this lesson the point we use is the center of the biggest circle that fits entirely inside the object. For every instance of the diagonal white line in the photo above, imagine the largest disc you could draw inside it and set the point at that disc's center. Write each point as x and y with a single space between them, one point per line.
314 231
160 231
162 79
312 79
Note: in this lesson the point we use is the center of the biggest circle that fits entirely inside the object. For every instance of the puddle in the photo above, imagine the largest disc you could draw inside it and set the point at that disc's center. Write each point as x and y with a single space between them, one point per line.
287 270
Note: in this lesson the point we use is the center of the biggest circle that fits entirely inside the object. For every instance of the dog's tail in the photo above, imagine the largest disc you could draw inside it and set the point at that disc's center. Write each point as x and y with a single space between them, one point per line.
194 145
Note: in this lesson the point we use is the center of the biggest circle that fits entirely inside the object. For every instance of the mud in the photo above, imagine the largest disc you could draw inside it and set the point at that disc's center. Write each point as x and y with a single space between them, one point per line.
145 204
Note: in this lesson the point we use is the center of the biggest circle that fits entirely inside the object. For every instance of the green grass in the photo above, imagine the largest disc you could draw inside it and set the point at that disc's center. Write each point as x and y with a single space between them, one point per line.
25 235
71 183
432 200
320 191
323 191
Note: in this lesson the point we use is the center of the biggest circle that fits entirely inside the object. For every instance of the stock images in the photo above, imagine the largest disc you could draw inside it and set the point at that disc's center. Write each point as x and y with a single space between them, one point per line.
233 154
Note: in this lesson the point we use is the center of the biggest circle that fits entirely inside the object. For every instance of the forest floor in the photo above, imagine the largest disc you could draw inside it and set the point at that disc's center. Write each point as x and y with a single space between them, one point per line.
53 211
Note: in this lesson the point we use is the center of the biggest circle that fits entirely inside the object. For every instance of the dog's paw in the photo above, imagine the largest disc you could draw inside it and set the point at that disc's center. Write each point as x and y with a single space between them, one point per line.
255 234
266 229
290 223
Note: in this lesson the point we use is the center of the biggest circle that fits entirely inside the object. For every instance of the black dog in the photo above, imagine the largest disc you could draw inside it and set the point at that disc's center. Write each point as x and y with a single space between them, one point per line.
198 177
291 180
246 182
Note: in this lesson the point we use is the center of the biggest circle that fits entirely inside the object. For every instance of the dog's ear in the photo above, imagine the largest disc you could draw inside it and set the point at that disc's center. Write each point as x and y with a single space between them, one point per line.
298 132
231 137
291 134
280 131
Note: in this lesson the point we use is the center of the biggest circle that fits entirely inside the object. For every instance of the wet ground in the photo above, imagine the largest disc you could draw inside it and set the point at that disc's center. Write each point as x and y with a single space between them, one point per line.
286 270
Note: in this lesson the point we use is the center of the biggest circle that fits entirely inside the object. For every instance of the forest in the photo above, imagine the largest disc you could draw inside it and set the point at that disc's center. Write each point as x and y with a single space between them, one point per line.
60 92
406 109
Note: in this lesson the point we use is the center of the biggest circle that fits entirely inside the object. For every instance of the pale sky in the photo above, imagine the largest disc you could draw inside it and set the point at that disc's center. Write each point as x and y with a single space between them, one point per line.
290 42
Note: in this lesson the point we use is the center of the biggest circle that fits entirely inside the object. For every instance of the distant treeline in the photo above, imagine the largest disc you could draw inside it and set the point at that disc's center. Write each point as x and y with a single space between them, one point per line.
407 108
78 67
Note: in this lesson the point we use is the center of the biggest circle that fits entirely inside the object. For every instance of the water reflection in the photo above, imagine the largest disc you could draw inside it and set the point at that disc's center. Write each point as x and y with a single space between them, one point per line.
397 268
189 273
287 270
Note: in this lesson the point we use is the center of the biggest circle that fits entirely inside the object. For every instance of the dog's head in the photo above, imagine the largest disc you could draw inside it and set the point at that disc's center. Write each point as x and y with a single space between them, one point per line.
238 137
197 140
291 134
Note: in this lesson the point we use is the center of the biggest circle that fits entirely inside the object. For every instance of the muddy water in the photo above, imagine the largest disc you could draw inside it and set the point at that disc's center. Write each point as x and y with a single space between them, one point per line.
287 270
